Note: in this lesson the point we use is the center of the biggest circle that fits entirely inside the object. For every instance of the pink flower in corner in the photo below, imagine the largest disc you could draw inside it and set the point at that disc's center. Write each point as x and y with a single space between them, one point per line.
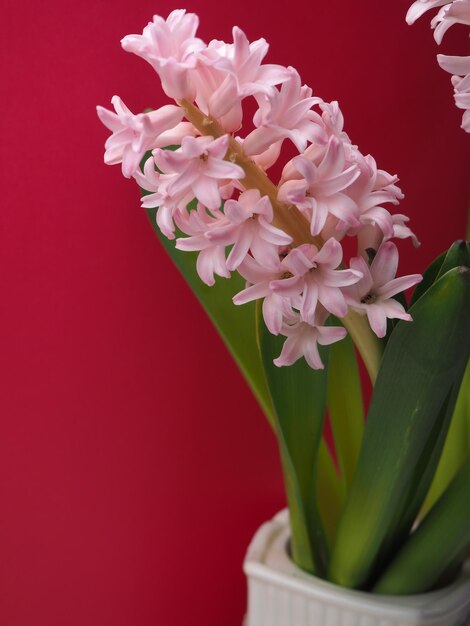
373 294
458 12
198 166
420 7
133 135
460 68
450 13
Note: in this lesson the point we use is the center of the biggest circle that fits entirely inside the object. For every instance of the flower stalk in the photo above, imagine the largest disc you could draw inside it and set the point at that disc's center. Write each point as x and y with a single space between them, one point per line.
286 216
369 346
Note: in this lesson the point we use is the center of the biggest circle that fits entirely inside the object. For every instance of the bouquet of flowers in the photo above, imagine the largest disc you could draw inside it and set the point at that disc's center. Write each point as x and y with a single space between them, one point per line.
299 272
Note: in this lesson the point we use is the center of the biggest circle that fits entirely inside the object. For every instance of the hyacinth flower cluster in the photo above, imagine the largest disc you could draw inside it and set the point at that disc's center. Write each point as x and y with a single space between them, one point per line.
214 196
449 14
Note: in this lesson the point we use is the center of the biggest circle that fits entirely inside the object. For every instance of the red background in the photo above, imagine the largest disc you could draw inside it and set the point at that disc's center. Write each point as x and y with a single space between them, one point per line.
134 463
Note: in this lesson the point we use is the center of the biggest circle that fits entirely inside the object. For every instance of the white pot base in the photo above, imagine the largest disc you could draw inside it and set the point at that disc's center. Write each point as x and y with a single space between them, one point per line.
280 594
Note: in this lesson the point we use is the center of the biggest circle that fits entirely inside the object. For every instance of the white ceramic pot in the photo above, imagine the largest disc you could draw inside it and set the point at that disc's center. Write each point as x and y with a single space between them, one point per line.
280 594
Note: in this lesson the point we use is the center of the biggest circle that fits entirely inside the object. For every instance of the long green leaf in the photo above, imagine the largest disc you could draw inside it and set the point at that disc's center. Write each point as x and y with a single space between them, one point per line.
421 364
429 277
456 448
236 325
458 254
299 399
237 328
432 452
331 492
436 545
345 406
457 445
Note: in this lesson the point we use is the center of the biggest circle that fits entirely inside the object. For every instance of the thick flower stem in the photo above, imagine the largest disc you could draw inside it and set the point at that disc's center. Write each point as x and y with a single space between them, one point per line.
370 347
286 216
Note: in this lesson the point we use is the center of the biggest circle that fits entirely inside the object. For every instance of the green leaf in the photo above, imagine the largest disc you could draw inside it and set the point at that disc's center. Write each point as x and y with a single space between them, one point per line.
299 398
345 406
236 324
407 420
436 545
430 459
391 323
331 492
456 447
429 277
457 444
237 328
457 254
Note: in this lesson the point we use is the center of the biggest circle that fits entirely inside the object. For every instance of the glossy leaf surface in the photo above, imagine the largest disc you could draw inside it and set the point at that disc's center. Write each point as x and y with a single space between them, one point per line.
299 398
345 406
407 418
236 324
442 537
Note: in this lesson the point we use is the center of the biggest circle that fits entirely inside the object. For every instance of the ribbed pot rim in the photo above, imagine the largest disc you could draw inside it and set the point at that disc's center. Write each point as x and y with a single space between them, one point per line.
267 560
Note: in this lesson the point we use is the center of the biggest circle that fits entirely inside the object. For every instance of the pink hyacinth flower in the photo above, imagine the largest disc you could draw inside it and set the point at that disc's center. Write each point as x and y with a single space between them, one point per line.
333 121
262 284
321 281
217 95
249 228
198 166
267 158
321 189
402 231
157 185
170 46
370 237
302 341
451 13
460 68
243 61
458 12
228 73
370 191
420 7
211 258
462 98
133 135
373 294
284 114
